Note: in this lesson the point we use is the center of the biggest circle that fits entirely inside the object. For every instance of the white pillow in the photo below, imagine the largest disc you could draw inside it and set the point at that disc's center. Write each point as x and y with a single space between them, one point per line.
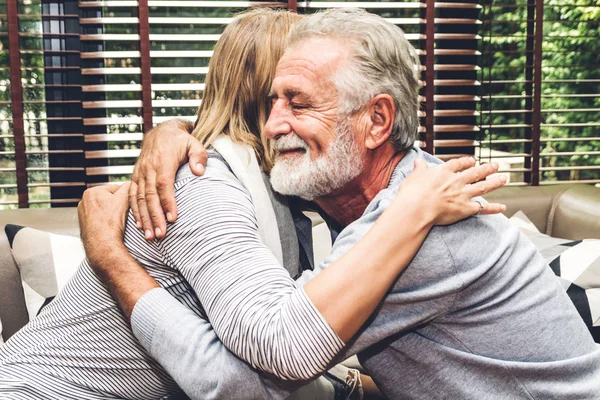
576 264
524 224
46 262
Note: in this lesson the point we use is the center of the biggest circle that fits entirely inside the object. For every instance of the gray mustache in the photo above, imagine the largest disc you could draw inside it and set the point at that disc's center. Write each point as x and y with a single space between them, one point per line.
289 142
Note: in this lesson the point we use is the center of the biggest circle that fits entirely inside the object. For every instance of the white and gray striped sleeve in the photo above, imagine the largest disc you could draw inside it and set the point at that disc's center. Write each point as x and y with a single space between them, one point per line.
255 307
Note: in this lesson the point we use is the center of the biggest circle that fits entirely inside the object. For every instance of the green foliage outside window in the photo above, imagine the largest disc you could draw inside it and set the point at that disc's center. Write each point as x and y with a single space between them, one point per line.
570 83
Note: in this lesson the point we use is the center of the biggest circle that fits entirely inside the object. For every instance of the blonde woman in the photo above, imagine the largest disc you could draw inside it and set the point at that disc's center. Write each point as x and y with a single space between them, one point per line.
219 262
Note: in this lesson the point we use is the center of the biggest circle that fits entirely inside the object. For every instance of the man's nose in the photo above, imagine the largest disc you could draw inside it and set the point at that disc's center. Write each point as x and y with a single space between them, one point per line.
278 122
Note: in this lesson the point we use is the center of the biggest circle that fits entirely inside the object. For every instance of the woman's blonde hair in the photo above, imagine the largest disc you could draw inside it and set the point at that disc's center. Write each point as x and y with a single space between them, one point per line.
235 100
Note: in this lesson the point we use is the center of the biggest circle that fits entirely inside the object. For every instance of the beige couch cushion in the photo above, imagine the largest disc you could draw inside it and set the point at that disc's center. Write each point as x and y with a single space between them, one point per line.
567 211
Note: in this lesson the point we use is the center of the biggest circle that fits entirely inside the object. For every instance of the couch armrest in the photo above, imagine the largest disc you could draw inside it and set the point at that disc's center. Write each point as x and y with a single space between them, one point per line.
576 213
535 201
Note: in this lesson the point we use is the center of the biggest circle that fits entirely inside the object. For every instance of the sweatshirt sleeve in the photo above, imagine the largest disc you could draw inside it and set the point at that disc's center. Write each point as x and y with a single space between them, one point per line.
187 347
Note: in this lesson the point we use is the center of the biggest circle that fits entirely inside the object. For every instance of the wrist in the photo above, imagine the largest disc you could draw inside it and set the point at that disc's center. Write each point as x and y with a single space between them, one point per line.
416 206
181 126
354 385
104 252
125 279
170 129
128 296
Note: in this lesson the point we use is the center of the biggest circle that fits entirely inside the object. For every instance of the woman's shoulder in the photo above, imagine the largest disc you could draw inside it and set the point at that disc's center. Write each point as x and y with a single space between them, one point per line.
217 182
216 167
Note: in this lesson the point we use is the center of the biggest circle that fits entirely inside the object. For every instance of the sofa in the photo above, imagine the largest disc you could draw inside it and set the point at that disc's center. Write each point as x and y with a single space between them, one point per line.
567 211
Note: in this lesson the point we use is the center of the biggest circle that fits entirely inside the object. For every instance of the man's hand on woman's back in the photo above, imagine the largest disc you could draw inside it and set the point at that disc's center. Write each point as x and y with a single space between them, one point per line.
151 194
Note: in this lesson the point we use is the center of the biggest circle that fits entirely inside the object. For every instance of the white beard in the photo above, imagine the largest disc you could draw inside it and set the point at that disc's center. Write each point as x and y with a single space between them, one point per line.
310 179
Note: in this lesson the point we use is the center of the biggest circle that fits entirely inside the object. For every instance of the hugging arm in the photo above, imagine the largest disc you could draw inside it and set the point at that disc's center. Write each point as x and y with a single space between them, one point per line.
249 346
428 197
190 351
254 305
344 323
196 359
181 341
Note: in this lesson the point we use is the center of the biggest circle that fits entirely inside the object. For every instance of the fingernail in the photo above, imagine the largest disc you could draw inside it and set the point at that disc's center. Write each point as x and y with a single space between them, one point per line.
502 207
157 231
138 224
169 217
148 234
200 168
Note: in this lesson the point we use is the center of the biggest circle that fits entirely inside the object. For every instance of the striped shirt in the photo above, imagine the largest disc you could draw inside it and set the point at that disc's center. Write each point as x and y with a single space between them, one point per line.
212 260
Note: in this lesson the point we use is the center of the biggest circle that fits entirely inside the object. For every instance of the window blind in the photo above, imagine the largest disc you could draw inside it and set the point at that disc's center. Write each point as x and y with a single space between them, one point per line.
81 81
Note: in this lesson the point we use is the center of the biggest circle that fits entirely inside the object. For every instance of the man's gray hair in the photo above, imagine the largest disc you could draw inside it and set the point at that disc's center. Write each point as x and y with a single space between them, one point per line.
382 61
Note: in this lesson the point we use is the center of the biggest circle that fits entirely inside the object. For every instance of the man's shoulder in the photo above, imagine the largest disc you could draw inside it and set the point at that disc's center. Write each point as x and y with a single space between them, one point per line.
475 238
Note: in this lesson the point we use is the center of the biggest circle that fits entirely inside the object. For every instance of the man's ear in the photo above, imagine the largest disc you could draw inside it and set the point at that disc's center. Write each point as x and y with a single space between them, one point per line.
382 113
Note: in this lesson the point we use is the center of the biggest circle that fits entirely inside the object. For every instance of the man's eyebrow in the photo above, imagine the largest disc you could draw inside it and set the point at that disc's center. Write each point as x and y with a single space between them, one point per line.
289 93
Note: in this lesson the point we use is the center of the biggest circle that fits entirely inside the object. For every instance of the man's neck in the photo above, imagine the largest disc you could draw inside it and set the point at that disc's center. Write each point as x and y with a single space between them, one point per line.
347 204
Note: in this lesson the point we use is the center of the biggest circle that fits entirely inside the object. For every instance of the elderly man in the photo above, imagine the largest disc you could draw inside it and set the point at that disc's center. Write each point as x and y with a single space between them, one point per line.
477 314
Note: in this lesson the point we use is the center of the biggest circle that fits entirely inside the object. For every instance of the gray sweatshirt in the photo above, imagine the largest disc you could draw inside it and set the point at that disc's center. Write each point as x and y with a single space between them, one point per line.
477 314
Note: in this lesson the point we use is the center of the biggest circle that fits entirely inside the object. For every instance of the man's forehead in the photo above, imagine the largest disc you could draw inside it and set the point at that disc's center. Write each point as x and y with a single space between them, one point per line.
310 61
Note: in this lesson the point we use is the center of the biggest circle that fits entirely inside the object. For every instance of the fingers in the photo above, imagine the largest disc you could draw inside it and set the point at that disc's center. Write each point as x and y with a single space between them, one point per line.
459 164
420 164
123 189
480 206
197 156
482 187
133 189
165 187
132 194
104 201
121 196
493 208
155 209
164 149
143 211
477 173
